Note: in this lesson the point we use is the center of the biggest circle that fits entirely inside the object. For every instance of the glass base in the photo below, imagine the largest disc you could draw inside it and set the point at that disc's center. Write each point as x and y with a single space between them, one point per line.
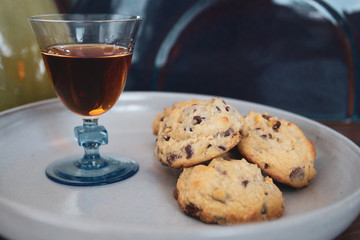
112 170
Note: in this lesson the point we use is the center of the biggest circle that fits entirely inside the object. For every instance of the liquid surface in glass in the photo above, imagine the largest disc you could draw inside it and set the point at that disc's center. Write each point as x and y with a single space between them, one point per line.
88 78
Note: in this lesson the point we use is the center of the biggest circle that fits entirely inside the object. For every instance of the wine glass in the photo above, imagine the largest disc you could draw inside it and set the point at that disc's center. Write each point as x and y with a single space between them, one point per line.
88 57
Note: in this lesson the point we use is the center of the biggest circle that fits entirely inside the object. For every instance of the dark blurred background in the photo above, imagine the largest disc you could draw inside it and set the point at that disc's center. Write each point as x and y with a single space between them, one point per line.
298 55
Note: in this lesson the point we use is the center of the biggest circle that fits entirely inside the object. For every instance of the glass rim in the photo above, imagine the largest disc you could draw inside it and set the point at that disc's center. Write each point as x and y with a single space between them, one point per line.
93 17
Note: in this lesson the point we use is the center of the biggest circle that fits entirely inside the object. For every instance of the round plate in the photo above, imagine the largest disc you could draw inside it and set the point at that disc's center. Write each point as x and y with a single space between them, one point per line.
143 207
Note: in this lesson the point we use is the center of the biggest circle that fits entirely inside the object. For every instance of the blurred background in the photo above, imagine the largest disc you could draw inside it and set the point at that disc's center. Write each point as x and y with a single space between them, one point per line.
297 55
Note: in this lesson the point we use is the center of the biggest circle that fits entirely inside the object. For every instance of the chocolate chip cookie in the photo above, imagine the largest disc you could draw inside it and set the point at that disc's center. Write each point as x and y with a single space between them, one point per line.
160 116
196 131
227 192
279 148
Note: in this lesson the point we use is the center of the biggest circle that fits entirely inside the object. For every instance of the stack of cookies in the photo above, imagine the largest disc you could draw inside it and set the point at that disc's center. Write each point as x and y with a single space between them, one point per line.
197 136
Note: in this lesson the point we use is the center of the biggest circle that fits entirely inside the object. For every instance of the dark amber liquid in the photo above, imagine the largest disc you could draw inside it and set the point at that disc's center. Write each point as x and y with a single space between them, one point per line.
88 78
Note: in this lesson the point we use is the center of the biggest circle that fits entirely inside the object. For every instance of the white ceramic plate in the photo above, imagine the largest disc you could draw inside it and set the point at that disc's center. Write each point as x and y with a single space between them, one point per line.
143 207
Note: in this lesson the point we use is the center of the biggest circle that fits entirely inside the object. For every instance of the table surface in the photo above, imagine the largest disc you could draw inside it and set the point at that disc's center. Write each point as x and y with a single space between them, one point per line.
351 131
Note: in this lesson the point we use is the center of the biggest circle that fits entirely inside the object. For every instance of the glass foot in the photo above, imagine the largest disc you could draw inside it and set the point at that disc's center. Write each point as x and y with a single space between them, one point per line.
70 172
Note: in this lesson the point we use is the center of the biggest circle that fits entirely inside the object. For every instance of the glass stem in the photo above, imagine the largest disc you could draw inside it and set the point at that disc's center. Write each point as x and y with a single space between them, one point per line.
91 136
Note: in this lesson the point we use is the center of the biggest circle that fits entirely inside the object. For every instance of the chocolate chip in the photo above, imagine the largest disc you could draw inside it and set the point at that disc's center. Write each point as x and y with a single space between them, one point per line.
264 136
245 183
189 129
266 166
176 193
277 125
218 108
264 209
189 151
191 209
208 146
297 174
172 157
228 132
266 193
227 108
166 138
257 129
198 119
222 148
267 117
